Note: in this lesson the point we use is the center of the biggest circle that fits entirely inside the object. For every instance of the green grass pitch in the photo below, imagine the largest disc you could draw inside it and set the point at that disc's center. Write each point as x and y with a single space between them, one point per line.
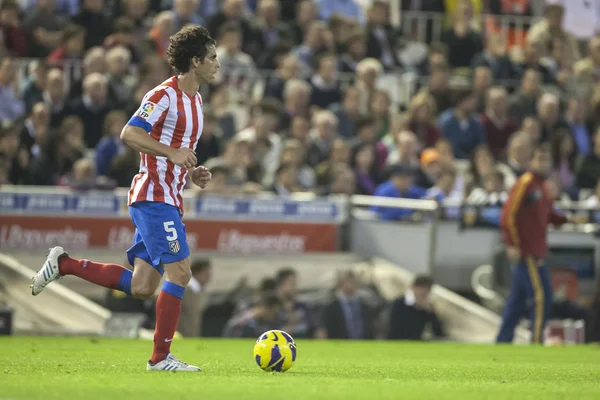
87 369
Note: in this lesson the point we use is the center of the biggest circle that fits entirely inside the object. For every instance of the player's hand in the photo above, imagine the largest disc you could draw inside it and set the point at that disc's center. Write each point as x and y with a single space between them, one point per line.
513 253
201 176
184 157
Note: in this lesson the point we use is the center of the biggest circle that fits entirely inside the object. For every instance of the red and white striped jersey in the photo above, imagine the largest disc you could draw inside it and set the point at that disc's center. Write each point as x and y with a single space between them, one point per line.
173 118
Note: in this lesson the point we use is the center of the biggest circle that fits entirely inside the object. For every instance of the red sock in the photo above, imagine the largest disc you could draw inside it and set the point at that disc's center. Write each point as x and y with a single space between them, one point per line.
111 276
168 308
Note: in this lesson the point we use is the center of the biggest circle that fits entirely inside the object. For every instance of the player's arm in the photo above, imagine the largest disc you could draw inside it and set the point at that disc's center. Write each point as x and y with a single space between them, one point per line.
510 210
136 134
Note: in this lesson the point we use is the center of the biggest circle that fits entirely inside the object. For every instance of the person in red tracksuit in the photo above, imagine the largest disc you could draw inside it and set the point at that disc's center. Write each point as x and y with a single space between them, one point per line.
524 221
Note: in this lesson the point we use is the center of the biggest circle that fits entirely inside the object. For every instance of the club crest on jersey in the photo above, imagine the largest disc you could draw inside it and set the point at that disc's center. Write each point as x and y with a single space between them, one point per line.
174 246
146 109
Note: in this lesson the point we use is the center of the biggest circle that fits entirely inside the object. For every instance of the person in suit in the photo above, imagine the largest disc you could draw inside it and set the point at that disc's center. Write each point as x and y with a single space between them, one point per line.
347 316
411 313
195 299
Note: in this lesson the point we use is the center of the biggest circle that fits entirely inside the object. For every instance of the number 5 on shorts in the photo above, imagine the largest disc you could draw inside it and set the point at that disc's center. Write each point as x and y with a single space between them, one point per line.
171 230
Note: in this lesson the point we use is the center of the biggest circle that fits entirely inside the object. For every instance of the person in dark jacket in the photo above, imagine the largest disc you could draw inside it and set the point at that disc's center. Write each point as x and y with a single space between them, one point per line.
347 316
411 313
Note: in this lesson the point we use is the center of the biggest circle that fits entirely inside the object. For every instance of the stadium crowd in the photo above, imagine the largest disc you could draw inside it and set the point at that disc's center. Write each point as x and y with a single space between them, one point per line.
320 120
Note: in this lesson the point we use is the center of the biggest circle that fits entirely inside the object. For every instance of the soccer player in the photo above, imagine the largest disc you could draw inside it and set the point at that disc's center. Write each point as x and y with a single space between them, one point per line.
525 218
165 130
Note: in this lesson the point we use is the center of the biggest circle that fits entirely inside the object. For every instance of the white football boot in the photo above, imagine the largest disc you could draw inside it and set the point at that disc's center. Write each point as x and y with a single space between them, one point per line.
49 272
172 364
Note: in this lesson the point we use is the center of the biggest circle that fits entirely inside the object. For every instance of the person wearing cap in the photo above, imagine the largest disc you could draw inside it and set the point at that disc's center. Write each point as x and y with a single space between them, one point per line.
430 169
400 186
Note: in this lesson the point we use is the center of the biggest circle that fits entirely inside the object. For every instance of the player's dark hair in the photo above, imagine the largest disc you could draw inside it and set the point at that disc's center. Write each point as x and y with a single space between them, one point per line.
283 274
423 281
200 264
189 42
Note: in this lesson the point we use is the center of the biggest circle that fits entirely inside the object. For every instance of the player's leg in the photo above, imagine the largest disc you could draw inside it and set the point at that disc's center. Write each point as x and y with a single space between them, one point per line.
515 305
541 291
164 238
58 263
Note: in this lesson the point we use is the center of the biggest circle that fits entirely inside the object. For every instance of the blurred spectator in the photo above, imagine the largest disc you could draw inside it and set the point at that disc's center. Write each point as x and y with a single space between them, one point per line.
368 72
296 315
195 299
481 165
15 36
587 70
35 129
380 110
412 313
576 118
93 61
325 87
542 33
286 180
316 41
406 150
296 100
446 153
270 26
439 89
346 8
548 112
96 24
461 127
326 127
124 166
532 129
422 112
306 14
55 96
186 12
444 187
518 156
532 60
59 151
71 46
232 11
355 51
45 28
236 158
261 317
381 36
289 69
437 58
294 153
588 169
210 142
162 29
339 155
400 185
482 82
348 112
265 118
493 191
347 316
219 103
430 169
300 131
111 144
497 125
366 133
462 40
344 182
218 182
594 200
524 101
120 82
33 90
363 163
138 12
238 71
494 57
92 107
564 154
13 155
124 35
11 107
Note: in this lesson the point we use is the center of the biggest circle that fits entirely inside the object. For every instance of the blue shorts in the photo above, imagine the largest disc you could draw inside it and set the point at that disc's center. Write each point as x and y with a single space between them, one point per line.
159 234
